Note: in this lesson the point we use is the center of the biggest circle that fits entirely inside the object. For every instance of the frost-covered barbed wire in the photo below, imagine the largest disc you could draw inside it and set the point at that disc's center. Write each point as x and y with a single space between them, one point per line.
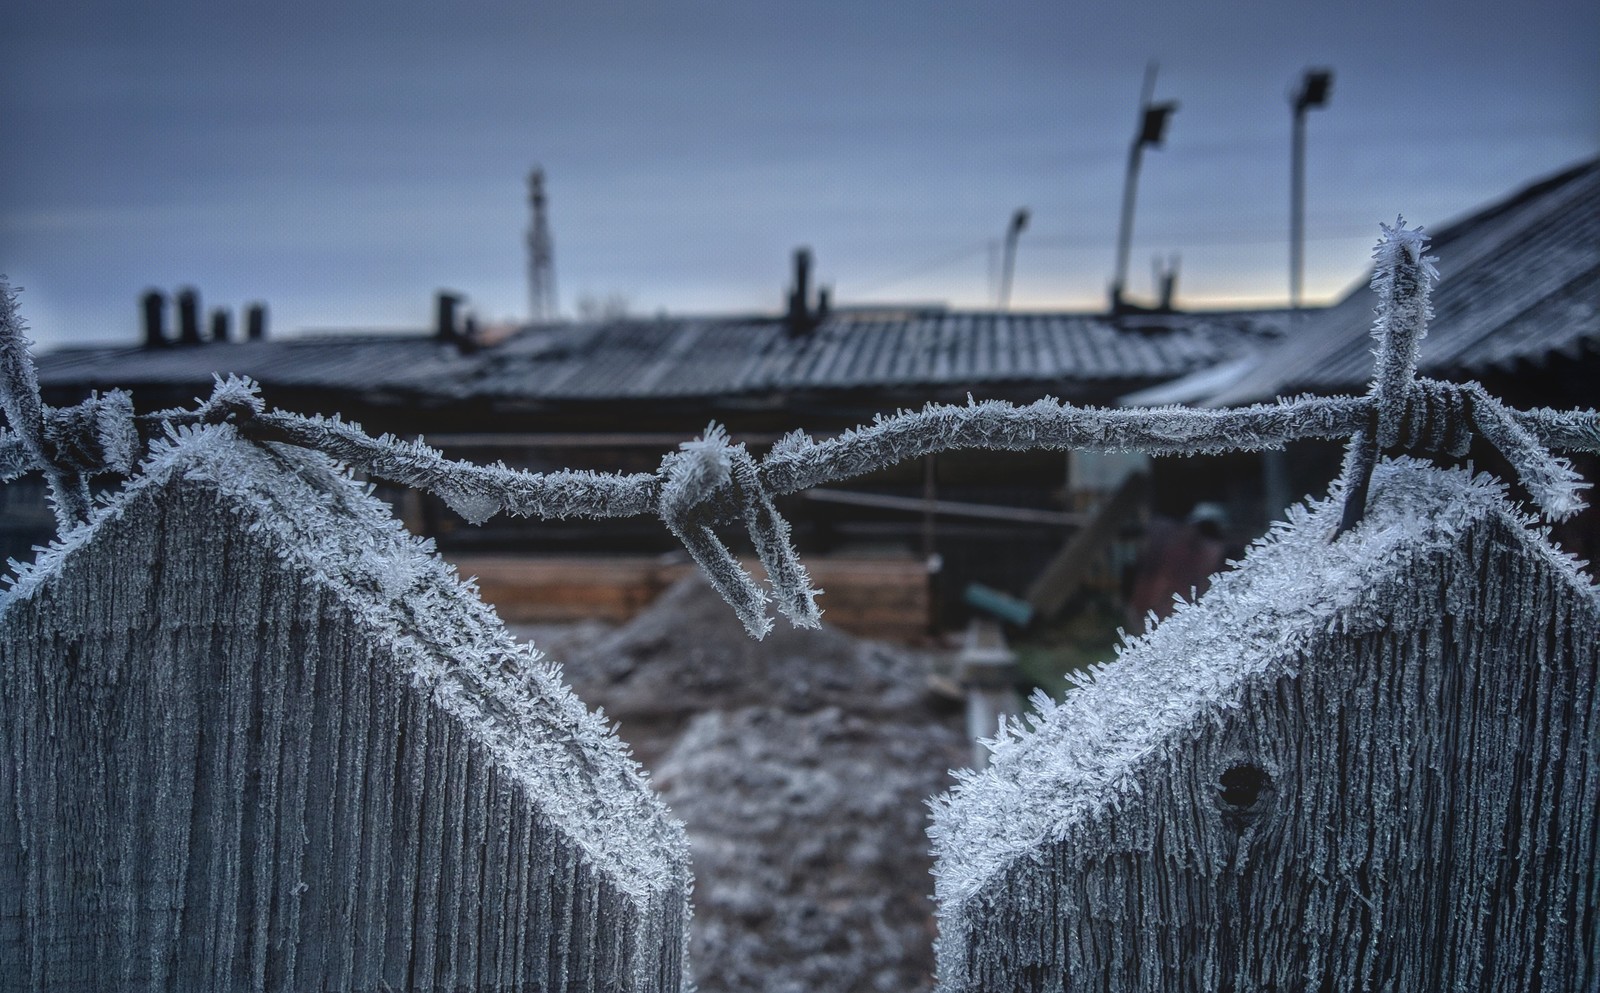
711 482
19 398
1409 414
798 463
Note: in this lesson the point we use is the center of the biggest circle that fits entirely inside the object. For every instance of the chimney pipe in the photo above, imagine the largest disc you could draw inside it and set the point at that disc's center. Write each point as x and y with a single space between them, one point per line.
799 318
188 316
220 319
154 303
802 280
467 341
1169 284
444 325
255 322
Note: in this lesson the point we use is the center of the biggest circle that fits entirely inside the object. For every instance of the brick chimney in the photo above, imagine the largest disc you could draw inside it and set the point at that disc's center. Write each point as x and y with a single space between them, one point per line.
255 322
444 323
800 319
154 305
189 316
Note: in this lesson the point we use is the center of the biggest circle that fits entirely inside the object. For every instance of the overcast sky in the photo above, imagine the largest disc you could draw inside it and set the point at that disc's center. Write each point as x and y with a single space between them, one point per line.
343 161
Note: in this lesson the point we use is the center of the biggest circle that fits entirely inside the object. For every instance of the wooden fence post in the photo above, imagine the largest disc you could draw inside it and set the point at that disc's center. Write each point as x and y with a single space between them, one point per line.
253 736
1366 764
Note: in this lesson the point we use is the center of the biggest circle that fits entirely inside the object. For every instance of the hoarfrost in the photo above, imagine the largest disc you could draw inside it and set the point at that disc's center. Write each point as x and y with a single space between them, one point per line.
19 399
1402 277
288 734
1310 778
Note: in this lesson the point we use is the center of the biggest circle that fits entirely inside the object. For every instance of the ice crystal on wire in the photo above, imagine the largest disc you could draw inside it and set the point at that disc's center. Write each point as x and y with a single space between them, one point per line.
237 395
701 466
19 400
14 457
1403 279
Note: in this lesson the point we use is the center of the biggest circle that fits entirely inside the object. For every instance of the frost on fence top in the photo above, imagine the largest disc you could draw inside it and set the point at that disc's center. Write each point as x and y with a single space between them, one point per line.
1310 660
279 558
455 646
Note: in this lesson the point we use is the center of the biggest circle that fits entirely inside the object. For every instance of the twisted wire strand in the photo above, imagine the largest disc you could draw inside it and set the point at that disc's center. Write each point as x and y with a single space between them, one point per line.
19 399
793 465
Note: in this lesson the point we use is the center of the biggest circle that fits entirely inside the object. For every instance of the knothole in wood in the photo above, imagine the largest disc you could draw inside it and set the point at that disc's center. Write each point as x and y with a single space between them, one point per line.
1245 793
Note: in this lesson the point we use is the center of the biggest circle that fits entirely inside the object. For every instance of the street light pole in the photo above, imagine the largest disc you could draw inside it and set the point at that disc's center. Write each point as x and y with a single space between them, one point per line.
1019 220
1315 86
1152 128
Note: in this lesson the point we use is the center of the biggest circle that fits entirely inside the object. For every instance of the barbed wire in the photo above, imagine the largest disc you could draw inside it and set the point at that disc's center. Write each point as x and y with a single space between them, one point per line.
709 482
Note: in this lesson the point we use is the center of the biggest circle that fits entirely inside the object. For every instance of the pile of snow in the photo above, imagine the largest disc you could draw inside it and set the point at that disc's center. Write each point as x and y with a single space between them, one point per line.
800 766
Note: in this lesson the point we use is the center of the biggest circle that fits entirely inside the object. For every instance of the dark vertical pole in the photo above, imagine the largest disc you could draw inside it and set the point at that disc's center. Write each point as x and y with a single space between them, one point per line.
1297 205
1276 494
1130 188
1313 91
219 324
1275 462
541 256
1019 220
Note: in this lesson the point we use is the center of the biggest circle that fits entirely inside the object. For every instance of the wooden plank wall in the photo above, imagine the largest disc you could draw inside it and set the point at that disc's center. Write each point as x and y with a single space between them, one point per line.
883 598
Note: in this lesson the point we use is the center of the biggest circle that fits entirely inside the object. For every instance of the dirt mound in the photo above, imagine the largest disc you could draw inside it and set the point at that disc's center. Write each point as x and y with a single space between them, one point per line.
688 654
801 765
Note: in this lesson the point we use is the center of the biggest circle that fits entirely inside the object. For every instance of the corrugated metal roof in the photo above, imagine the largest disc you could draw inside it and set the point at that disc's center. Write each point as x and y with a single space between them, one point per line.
701 357
1520 281
339 362
695 357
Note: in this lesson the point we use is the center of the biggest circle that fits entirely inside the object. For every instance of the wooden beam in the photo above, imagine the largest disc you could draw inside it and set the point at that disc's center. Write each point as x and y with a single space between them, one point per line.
884 598
1065 573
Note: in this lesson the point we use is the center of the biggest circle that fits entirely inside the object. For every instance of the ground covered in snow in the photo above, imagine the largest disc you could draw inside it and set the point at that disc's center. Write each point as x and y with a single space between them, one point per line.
800 765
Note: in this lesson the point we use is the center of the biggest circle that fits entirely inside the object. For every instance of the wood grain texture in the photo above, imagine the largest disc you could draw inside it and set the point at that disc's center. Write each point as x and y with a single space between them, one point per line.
1371 764
252 737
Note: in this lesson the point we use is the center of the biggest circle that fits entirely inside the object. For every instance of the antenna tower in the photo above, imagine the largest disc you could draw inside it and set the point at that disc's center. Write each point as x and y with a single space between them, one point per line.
541 263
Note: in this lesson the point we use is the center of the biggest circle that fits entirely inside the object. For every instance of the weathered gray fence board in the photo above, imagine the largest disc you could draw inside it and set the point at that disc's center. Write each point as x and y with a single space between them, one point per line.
1367 765
254 737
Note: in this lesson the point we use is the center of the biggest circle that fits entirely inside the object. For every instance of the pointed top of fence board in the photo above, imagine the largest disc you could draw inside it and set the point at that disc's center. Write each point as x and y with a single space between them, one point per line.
308 732
1260 788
